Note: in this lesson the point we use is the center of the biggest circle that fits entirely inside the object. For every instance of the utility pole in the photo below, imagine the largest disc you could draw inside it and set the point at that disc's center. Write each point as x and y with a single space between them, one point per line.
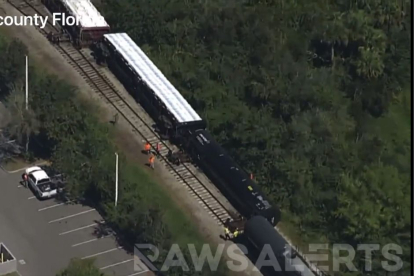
27 82
116 180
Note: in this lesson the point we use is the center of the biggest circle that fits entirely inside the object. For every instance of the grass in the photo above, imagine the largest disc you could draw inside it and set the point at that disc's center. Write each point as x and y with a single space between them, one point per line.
14 164
13 274
4 31
19 163
182 228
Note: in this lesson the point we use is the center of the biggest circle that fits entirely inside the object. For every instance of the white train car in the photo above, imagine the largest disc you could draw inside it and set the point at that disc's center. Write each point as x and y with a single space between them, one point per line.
92 25
148 84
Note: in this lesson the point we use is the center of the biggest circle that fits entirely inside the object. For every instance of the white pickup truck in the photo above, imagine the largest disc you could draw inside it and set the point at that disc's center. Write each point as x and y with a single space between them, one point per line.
40 182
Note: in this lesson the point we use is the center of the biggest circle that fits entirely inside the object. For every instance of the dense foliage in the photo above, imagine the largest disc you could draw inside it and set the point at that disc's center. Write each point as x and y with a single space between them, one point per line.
313 97
66 129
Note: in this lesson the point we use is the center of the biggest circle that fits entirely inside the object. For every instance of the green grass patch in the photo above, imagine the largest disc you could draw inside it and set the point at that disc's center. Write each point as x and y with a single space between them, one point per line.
14 164
13 274
182 229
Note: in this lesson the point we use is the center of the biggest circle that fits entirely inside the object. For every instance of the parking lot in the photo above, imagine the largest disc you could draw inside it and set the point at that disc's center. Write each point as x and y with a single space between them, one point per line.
45 235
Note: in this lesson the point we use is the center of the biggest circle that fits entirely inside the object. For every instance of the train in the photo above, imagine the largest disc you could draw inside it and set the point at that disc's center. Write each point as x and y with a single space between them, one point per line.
92 25
177 121
231 179
181 124
259 233
147 84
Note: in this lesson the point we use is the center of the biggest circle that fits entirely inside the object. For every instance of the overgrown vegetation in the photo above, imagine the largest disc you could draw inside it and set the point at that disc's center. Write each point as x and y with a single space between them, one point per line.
313 97
69 133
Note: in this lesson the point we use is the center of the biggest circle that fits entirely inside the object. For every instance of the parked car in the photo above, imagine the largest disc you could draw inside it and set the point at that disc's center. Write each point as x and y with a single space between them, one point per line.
41 183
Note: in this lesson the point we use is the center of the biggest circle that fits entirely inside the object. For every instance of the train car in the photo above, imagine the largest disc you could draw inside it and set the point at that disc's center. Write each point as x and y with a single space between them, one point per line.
148 85
259 232
92 25
235 183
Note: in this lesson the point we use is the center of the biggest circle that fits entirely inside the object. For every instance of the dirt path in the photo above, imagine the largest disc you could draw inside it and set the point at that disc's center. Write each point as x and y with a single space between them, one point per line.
129 141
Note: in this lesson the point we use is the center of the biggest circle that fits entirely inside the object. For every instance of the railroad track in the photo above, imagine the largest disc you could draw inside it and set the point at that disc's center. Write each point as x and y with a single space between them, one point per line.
32 7
184 173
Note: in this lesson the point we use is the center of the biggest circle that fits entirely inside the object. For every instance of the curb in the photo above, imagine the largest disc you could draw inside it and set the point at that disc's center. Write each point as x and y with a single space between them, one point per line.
22 169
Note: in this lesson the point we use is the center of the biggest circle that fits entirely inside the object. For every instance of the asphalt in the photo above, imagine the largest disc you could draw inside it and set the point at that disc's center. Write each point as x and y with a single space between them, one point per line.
45 235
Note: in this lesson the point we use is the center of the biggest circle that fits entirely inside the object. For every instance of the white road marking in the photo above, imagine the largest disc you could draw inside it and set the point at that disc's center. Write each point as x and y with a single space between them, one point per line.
80 228
108 266
103 252
91 240
71 216
19 186
53 206
31 197
138 273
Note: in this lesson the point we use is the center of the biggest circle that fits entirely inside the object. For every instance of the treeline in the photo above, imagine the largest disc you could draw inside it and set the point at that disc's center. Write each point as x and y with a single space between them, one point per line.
313 97
69 133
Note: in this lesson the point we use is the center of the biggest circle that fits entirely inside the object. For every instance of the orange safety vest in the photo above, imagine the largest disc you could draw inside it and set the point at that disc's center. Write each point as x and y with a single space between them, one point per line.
151 160
147 146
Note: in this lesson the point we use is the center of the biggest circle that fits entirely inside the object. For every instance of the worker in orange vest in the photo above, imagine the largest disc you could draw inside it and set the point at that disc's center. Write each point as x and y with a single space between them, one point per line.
152 161
147 148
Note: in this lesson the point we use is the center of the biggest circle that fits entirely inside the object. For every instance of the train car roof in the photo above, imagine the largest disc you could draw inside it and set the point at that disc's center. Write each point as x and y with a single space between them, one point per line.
153 77
88 15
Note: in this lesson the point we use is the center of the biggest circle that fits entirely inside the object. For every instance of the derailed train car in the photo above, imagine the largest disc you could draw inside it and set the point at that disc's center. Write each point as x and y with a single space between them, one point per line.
235 183
92 25
262 236
148 85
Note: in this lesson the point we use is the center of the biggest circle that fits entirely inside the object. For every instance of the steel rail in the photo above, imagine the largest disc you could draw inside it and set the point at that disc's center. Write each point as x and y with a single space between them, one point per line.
88 70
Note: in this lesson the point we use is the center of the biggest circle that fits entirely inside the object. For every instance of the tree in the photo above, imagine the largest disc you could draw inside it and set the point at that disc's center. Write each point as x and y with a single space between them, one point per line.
78 267
305 94
23 122
12 63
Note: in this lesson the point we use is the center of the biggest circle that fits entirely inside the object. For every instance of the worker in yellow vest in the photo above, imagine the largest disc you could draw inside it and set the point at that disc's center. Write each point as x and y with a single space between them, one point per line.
236 233
226 233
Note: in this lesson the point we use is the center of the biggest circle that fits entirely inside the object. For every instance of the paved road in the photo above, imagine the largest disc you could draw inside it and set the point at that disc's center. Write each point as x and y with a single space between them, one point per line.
45 235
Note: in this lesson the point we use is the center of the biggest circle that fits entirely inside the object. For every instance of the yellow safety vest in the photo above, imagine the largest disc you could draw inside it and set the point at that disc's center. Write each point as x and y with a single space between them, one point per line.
236 233
226 230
